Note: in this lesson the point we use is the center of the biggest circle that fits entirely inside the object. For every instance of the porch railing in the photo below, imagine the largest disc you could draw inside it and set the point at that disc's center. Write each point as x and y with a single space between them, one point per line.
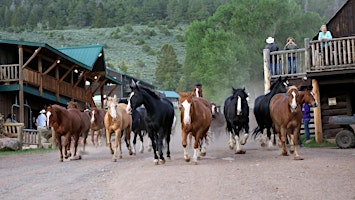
337 54
9 73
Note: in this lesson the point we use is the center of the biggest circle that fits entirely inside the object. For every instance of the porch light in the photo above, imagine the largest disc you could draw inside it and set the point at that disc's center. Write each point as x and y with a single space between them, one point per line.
58 61
76 70
95 77
100 54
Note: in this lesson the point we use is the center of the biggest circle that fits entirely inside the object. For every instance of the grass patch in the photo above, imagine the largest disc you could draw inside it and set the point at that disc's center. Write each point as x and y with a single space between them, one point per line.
26 151
314 144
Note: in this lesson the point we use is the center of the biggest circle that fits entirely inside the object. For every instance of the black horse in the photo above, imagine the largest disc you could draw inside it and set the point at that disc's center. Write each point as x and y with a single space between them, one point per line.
236 112
160 117
262 110
139 126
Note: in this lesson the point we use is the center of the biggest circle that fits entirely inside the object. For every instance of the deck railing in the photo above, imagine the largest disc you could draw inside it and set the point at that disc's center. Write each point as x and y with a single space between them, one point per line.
339 55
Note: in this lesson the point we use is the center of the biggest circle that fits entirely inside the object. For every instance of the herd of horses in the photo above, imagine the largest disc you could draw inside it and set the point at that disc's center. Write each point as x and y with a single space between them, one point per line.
145 112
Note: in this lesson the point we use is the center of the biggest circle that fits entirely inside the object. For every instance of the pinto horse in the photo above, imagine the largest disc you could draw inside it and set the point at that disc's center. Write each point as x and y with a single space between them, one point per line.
195 119
236 113
67 123
286 114
262 110
97 124
118 121
160 117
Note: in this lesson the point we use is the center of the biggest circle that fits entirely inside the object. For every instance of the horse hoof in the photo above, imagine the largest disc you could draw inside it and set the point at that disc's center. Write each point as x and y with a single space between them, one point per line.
284 154
240 152
114 159
298 158
187 159
161 161
203 154
156 161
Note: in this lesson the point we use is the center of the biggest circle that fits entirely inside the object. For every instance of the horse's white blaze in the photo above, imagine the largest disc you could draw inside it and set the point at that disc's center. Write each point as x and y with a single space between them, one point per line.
294 103
213 109
92 120
187 106
197 95
48 114
239 106
129 108
113 110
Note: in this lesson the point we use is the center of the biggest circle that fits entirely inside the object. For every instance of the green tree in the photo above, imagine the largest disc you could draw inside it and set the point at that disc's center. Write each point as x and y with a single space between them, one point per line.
167 72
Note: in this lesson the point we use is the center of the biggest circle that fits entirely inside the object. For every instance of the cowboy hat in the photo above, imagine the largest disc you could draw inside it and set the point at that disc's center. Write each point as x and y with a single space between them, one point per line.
42 111
270 40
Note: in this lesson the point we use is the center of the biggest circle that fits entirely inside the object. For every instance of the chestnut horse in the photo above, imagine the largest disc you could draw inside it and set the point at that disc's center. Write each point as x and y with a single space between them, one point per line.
117 121
286 115
67 123
97 117
195 119
85 120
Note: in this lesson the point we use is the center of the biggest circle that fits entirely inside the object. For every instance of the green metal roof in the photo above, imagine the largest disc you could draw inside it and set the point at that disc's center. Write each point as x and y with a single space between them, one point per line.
84 54
50 48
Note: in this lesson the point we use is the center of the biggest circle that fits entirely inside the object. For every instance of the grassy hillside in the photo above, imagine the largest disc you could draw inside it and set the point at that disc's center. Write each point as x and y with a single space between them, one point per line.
135 46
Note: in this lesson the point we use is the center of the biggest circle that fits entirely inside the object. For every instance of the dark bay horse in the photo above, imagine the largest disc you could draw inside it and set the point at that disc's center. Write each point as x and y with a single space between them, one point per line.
195 120
117 121
236 113
97 124
160 117
262 110
67 123
286 115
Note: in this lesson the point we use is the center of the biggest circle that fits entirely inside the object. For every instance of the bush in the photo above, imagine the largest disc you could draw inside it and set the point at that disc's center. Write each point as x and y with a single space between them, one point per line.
128 28
180 38
146 48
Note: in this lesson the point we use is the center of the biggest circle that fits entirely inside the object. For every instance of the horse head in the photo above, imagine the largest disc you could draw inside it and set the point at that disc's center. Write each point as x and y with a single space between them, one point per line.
240 96
197 90
185 106
112 104
307 96
280 86
135 98
293 95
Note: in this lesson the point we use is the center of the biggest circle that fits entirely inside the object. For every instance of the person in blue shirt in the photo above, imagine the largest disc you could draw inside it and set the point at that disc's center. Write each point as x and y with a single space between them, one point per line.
306 118
325 36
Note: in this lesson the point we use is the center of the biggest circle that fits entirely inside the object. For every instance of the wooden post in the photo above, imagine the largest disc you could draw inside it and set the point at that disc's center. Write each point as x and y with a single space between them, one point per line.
307 55
317 113
21 93
267 76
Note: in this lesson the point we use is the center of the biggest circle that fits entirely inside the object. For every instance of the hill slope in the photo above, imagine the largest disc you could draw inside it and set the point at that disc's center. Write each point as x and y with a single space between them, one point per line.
136 47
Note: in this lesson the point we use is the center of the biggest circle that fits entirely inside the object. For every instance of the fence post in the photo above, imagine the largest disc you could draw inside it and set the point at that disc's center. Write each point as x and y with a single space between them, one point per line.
267 77
307 52
317 113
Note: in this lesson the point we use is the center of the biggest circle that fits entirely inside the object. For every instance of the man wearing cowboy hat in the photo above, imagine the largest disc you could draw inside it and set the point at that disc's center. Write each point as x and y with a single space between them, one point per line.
41 124
273 59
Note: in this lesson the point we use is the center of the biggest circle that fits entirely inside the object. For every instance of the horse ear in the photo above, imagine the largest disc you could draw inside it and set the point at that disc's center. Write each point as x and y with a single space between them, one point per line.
133 84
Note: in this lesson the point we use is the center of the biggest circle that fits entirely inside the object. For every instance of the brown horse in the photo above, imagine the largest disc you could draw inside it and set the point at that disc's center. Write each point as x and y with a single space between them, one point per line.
85 120
195 119
117 120
65 123
286 115
96 124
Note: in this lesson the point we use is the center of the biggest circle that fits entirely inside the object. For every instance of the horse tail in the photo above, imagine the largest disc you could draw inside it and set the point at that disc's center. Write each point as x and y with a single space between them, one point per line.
256 132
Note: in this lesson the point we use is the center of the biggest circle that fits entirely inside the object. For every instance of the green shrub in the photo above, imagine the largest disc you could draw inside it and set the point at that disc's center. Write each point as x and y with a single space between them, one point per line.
180 38
128 28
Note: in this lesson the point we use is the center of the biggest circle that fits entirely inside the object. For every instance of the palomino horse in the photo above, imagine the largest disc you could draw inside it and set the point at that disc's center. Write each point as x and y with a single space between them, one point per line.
262 110
97 124
85 120
236 112
286 115
160 117
67 123
117 120
195 119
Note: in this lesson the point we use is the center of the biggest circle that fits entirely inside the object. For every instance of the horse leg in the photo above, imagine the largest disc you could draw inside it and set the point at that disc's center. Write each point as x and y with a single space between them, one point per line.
290 138
160 146
282 136
76 142
92 135
59 141
67 144
128 140
190 140
108 140
154 145
168 144
134 141
246 134
117 145
196 155
141 148
295 141
184 144
238 149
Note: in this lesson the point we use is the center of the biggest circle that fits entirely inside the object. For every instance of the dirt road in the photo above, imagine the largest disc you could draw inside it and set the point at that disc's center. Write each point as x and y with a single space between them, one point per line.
259 174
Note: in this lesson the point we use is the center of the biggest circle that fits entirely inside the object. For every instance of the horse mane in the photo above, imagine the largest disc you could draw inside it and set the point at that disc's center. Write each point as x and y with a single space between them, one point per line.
150 92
